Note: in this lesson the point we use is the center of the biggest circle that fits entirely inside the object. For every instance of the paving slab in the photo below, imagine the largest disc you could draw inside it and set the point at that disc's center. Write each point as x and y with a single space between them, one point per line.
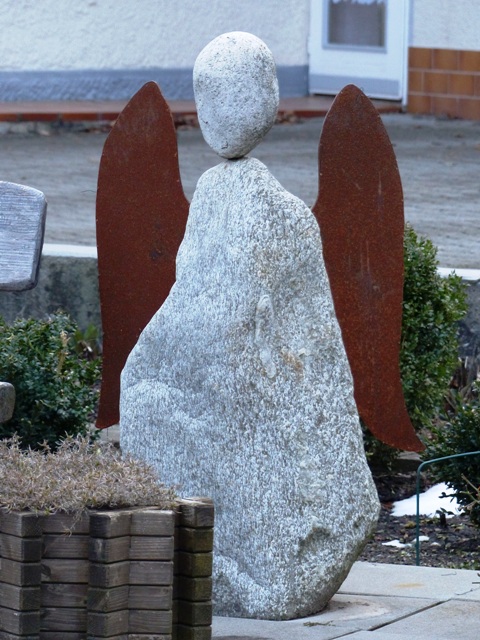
343 615
381 634
395 602
447 621
407 581
245 629
368 612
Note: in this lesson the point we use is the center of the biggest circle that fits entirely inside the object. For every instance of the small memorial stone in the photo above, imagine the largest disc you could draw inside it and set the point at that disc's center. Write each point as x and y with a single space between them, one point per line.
22 224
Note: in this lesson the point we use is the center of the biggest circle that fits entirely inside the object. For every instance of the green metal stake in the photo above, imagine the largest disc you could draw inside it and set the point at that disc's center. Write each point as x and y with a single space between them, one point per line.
420 467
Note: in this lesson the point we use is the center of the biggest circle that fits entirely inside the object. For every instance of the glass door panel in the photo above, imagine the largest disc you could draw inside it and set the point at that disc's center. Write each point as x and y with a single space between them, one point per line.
363 42
358 24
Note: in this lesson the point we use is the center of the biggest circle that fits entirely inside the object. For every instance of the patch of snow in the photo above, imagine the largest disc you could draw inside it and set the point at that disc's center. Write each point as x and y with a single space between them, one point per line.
402 545
430 503
396 543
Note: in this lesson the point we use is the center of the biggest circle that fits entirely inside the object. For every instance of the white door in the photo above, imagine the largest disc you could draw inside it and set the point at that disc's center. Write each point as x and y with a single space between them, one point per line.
361 42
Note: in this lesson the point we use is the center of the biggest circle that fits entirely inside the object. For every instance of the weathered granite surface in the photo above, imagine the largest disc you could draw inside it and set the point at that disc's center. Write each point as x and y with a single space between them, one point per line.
22 226
236 93
239 389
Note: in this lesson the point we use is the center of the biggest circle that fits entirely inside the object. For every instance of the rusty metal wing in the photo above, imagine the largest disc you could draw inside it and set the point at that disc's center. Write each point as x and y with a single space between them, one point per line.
360 213
141 215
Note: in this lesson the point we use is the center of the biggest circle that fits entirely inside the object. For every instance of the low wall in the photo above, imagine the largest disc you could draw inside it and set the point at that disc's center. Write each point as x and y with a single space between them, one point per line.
68 281
444 82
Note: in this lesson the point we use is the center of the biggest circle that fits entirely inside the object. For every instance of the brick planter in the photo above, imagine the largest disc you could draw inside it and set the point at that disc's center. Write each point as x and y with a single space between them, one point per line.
130 574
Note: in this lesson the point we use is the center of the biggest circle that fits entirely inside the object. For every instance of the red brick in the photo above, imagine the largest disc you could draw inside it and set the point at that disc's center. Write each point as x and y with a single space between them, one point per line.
419 103
461 84
445 59
436 82
419 58
415 80
469 108
469 61
443 106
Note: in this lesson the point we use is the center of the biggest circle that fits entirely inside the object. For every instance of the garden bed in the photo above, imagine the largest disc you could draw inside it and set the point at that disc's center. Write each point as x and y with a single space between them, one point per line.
121 574
452 543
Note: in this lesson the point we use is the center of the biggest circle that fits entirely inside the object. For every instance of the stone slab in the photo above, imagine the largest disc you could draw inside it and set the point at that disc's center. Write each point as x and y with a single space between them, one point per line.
411 581
342 614
367 612
247 629
449 620
380 635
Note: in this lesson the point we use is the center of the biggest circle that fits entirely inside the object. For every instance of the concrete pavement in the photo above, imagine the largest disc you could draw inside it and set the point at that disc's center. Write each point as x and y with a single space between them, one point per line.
380 602
439 163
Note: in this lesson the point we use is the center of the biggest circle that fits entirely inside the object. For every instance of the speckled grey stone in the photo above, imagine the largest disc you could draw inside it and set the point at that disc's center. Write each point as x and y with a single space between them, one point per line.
239 389
7 401
236 92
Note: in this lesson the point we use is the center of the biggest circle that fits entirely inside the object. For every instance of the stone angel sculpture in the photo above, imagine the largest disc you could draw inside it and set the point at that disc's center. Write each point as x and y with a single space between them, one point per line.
141 218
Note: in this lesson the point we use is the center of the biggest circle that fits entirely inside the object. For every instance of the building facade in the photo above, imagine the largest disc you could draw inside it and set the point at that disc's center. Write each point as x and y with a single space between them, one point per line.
444 59
424 53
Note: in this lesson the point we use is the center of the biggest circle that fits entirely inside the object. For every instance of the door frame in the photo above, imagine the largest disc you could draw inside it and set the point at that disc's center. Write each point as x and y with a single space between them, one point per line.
321 55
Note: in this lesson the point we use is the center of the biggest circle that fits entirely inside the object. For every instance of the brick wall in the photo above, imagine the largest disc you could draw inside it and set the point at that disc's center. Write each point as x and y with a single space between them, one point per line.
444 82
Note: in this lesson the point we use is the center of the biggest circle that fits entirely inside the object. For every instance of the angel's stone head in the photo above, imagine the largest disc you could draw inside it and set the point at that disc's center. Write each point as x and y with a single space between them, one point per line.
236 92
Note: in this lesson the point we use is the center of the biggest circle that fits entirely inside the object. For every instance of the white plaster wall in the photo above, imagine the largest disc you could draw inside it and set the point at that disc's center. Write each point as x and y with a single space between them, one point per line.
128 34
446 24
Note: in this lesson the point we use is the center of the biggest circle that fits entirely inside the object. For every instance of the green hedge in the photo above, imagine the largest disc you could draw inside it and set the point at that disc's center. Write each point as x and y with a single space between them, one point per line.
56 386
432 307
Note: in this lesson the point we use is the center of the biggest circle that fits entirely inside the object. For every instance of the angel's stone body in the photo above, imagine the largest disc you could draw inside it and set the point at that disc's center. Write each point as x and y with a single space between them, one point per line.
239 389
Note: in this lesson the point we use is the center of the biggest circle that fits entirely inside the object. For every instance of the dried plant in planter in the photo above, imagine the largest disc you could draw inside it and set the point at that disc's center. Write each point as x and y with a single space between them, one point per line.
79 475
94 546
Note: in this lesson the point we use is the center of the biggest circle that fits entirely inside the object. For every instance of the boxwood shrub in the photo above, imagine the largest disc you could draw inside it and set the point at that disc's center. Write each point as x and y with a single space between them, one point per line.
432 307
56 386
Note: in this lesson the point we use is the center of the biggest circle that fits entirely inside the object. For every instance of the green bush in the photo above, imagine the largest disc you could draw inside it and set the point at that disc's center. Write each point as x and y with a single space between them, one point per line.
459 433
56 386
432 306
